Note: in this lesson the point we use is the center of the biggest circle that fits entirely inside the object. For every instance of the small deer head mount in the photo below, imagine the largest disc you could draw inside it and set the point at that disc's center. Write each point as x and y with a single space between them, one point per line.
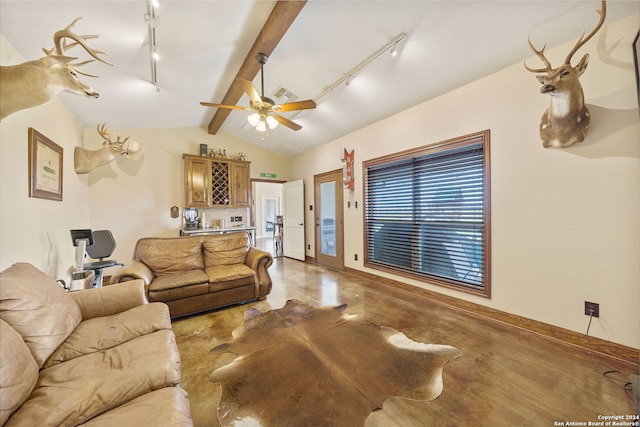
567 119
87 160
33 83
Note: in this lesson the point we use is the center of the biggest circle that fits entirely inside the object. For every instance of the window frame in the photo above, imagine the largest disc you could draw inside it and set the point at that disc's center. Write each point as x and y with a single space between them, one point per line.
426 150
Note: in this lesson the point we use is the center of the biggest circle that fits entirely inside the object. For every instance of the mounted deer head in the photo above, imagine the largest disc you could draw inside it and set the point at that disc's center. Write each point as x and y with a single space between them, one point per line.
567 119
33 83
87 160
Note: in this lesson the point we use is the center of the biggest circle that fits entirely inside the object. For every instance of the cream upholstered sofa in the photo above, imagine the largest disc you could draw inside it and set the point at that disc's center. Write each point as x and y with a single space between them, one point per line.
98 357
199 273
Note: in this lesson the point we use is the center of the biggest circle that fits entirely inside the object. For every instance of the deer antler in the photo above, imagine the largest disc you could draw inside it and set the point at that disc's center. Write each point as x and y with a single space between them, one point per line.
602 12
581 41
540 54
102 130
61 45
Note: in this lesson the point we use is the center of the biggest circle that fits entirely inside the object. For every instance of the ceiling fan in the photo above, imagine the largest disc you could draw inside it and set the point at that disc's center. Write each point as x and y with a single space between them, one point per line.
266 111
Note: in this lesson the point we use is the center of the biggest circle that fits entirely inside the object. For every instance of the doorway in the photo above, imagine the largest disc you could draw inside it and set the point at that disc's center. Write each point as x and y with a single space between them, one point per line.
270 210
329 233
267 205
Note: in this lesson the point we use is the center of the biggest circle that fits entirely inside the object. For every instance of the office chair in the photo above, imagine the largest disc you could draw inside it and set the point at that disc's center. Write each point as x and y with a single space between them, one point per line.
102 247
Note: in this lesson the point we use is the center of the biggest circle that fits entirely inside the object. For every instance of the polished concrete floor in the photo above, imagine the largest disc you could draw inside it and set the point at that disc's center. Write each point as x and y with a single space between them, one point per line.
505 377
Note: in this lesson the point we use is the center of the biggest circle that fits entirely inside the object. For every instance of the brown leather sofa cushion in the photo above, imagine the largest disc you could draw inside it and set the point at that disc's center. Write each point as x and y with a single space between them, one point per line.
102 333
226 249
168 256
18 371
177 280
38 308
110 300
73 392
225 273
165 407
178 293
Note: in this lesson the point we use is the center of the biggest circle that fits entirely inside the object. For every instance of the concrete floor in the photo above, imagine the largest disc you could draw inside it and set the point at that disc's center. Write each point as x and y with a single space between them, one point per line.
505 377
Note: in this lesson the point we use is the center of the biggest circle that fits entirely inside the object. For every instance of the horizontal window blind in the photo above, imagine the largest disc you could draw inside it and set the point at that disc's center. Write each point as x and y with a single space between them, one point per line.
425 214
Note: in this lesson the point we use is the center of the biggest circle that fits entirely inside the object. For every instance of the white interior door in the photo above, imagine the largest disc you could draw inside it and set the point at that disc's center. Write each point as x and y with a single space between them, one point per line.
293 219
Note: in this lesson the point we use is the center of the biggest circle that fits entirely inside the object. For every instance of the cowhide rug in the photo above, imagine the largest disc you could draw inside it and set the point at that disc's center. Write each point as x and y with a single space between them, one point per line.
307 366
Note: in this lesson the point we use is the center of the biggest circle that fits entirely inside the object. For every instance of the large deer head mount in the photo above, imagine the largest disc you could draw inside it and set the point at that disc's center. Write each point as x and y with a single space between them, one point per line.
567 119
85 160
33 83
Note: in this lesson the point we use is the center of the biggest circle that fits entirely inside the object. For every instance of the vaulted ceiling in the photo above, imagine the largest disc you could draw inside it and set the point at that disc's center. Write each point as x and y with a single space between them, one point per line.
204 44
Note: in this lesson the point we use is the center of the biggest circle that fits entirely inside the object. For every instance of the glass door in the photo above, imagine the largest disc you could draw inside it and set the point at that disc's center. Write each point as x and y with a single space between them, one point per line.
328 220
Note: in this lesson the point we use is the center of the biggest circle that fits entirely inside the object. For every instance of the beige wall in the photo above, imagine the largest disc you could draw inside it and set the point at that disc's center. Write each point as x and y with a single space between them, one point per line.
565 223
31 229
133 198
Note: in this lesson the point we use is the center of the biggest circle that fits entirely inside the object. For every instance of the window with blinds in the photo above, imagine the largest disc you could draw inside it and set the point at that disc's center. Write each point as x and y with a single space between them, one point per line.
427 213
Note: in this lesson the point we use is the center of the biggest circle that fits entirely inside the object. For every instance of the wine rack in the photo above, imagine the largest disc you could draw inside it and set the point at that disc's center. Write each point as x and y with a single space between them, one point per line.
220 183
212 182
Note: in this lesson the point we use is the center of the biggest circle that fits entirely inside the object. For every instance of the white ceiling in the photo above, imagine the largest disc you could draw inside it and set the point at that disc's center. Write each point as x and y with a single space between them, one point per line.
203 43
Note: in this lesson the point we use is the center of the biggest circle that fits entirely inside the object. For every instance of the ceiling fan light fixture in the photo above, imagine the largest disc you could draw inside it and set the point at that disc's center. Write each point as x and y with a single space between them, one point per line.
271 122
253 119
264 107
262 122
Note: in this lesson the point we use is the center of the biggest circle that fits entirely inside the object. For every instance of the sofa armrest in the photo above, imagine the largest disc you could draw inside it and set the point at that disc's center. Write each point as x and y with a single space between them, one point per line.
134 270
260 260
110 300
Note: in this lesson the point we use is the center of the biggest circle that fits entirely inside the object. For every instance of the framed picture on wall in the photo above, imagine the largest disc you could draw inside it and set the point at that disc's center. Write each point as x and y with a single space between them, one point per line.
636 60
45 167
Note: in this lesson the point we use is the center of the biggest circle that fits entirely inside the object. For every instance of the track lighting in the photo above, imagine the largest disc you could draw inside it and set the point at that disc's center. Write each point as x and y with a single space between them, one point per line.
152 21
392 46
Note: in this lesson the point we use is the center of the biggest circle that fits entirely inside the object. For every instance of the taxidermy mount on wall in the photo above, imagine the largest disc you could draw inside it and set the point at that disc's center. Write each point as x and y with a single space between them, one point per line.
567 119
33 83
84 161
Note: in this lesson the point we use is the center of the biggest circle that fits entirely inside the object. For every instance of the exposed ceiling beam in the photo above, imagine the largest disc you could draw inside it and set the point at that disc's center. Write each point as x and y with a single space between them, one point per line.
277 24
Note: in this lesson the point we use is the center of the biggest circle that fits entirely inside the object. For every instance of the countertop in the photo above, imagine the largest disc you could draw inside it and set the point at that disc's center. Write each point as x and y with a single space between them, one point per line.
185 232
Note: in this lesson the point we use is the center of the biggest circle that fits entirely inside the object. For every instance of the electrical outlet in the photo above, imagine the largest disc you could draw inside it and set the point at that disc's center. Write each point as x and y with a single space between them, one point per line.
309 247
592 309
233 219
238 219
355 257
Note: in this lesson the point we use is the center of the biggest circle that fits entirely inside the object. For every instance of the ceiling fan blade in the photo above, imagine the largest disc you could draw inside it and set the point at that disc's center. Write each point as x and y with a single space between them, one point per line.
250 90
286 122
230 107
309 104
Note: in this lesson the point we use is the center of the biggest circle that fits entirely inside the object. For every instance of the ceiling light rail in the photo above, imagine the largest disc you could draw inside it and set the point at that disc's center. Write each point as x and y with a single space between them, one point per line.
348 77
392 46
151 19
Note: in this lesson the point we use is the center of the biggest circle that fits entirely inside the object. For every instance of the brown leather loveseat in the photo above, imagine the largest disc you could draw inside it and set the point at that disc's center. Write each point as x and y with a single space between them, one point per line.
199 273
97 357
